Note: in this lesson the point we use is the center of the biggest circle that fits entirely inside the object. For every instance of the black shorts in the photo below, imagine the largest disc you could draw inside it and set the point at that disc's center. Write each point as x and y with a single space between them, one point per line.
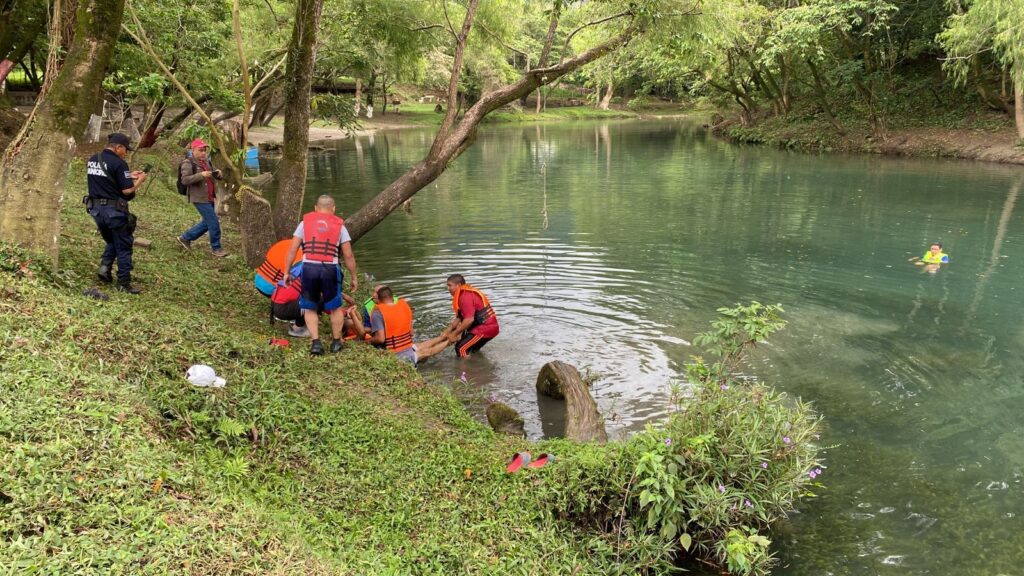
469 343
321 287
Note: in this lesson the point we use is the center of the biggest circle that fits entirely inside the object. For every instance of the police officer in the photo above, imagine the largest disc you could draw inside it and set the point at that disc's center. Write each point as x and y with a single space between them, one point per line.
111 186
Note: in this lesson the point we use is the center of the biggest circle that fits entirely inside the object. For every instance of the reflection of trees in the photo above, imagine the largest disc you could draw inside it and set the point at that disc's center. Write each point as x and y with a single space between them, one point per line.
997 246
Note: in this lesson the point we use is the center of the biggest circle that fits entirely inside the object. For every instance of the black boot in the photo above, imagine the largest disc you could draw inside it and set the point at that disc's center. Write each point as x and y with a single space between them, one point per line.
316 348
103 272
126 286
336 346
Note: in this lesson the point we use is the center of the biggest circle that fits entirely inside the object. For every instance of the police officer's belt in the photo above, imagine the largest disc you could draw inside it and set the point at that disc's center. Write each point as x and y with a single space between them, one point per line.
121 205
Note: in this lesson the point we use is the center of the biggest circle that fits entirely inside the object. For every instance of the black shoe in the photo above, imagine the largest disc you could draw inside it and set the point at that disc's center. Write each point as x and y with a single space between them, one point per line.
316 348
127 287
103 273
337 346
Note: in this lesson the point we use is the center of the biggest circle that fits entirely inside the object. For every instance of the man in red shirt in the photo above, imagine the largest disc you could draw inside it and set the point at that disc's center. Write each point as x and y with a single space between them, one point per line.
475 322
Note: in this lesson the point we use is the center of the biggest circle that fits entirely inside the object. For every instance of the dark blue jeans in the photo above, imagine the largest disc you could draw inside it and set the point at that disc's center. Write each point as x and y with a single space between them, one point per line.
113 227
209 223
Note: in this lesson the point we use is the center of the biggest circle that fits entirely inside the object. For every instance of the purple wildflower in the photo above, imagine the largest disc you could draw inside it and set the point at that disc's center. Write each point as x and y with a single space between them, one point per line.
724 386
492 398
764 465
786 440
813 474
748 504
668 441
817 471
463 377
721 488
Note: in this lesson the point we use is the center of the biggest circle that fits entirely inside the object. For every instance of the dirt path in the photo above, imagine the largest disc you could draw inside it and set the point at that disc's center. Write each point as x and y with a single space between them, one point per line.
982 145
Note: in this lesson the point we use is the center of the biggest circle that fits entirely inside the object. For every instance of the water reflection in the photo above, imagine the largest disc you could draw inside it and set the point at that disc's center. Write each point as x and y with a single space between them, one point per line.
610 245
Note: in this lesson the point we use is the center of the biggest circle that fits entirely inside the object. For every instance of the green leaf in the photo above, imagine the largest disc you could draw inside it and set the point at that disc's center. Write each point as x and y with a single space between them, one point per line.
685 541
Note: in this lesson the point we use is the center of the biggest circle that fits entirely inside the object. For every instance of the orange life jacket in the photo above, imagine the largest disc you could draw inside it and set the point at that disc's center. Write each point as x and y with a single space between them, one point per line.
482 315
320 236
273 266
397 325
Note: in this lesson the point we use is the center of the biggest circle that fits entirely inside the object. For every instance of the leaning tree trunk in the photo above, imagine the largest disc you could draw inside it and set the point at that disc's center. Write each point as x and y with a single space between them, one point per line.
291 172
34 167
451 139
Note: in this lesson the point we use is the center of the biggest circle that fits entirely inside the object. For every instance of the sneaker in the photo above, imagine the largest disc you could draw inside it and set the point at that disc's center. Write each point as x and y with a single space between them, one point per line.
103 273
186 244
219 253
298 331
127 287
336 346
316 348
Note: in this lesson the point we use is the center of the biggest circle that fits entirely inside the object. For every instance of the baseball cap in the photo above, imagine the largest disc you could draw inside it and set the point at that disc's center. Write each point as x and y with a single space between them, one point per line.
198 143
118 138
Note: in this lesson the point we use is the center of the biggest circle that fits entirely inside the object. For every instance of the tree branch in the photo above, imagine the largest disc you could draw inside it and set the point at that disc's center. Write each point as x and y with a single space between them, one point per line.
236 19
565 47
147 47
453 83
556 11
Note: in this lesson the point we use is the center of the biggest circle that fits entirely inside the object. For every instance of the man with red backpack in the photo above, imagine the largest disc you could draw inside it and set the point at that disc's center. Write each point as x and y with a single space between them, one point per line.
324 241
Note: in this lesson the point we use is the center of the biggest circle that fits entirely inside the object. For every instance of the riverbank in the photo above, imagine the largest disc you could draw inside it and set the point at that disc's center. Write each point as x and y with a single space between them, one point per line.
348 463
423 115
985 136
342 464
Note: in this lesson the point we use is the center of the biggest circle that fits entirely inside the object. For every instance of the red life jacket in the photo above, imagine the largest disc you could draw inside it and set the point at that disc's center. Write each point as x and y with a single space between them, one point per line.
320 236
482 315
397 325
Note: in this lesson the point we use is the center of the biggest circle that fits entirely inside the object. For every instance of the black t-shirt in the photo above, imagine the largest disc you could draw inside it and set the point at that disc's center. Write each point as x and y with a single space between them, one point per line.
108 175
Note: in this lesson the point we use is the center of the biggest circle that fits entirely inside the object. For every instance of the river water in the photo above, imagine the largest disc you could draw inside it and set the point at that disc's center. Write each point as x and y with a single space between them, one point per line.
610 245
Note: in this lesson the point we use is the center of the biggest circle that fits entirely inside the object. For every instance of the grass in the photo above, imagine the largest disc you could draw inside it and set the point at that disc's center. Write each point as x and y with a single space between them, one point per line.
347 464
344 464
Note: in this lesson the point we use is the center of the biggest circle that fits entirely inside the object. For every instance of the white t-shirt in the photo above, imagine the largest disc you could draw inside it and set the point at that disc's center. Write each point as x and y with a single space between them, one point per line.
300 232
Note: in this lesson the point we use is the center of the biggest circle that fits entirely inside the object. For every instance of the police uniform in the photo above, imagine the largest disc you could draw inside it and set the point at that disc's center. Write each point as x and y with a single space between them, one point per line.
108 176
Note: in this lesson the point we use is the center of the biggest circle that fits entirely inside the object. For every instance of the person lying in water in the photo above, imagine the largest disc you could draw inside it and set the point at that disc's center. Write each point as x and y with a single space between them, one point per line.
391 328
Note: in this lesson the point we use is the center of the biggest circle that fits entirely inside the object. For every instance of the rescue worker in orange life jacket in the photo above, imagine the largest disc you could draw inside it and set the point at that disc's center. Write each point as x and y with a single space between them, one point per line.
391 328
475 322
323 236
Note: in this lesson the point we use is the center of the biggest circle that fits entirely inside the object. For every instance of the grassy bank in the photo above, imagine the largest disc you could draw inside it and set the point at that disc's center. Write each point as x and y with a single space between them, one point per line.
344 464
926 131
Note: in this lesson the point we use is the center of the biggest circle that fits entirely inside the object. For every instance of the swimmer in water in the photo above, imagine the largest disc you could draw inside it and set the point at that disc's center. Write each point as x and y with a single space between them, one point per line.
932 259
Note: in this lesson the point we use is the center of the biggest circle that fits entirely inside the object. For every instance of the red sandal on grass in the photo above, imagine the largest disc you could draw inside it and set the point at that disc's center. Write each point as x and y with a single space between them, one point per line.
541 460
519 459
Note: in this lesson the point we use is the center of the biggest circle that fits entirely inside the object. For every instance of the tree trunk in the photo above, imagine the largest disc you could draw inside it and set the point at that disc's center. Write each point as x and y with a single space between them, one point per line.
291 172
606 100
253 219
35 165
451 140
1018 104
819 90
150 133
359 95
583 422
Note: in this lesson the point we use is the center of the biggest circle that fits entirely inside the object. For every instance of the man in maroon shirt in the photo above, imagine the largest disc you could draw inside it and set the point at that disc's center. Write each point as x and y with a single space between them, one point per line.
197 176
475 322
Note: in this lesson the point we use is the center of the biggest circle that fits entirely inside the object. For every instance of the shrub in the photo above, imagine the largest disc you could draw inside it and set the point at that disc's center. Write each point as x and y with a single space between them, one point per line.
733 458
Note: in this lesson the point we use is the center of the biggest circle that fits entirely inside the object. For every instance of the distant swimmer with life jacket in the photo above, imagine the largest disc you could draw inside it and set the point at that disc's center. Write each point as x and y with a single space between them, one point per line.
323 237
475 323
391 328
933 258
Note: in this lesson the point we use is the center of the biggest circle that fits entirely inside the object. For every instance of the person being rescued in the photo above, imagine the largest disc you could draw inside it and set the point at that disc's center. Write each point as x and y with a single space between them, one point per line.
933 258
323 237
475 322
391 328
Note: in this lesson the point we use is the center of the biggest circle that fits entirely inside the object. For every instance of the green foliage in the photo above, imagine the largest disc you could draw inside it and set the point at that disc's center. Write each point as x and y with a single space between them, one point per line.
732 459
337 109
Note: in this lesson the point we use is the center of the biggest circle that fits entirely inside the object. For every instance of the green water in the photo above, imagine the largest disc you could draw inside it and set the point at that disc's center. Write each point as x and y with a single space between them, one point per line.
610 246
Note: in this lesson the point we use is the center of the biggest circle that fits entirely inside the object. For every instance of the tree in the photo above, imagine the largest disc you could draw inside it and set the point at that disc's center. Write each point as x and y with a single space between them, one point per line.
988 25
456 134
34 166
291 172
